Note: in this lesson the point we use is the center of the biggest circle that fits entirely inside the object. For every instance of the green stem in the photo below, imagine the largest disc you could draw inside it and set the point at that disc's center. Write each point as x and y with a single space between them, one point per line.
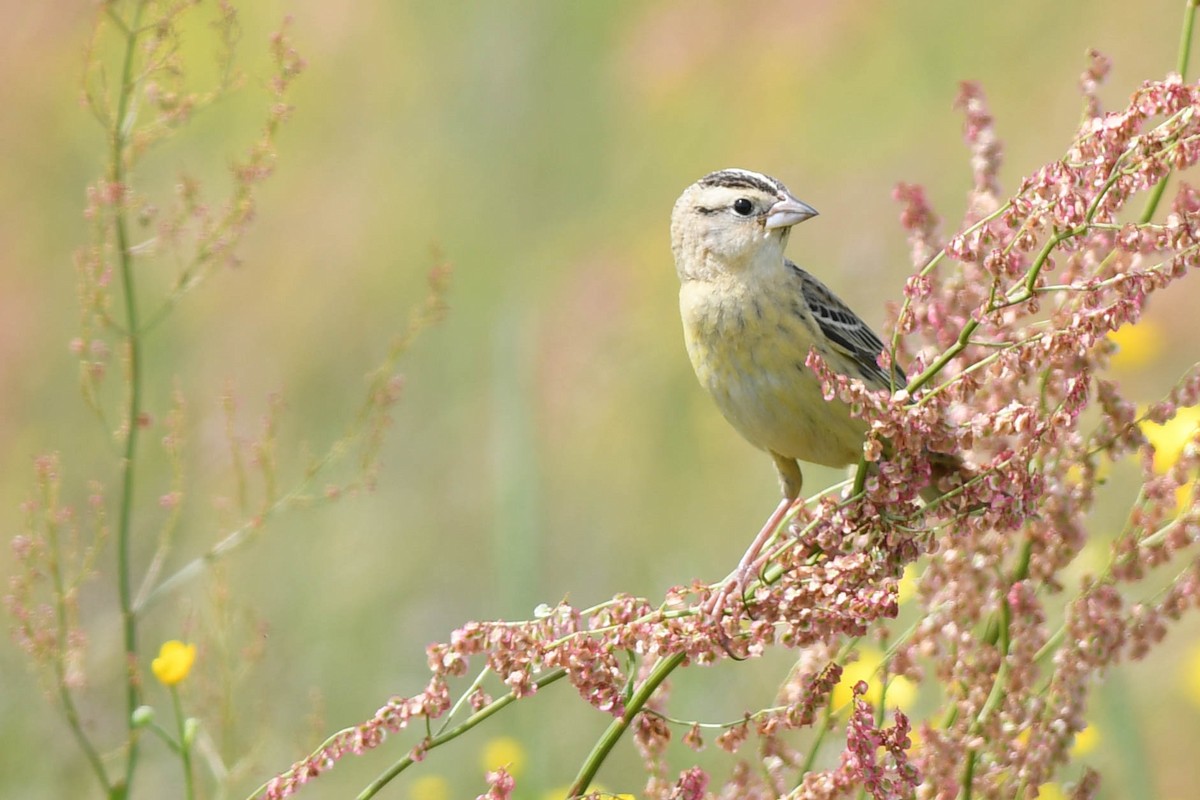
1185 36
964 336
999 685
1155 197
860 476
164 736
433 741
62 624
464 697
929 267
117 175
810 759
960 344
1021 571
604 746
968 777
185 746
1181 65
299 493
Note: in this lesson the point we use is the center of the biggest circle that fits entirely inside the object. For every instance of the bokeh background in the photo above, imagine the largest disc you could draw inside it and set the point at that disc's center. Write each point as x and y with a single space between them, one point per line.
551 441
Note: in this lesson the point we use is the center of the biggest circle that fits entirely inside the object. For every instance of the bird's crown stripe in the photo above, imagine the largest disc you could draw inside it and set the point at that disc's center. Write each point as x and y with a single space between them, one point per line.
741 179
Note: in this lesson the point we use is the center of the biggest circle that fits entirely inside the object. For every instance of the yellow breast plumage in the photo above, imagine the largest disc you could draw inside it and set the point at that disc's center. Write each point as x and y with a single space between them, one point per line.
748 345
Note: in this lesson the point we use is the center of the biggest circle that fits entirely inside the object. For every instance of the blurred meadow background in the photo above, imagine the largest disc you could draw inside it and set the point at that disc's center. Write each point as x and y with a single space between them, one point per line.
551 440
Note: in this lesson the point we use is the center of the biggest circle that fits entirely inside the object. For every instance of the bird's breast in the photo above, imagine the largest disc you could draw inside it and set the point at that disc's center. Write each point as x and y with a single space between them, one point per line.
748 349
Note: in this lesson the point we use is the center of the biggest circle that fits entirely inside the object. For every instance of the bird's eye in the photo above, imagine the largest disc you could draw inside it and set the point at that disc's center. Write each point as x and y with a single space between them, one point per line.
743 206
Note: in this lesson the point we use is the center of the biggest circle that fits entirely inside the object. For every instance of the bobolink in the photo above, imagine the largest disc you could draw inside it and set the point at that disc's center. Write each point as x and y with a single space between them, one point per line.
750 319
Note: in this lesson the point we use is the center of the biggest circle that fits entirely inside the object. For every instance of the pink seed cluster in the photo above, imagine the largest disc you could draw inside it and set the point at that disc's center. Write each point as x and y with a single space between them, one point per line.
1004 328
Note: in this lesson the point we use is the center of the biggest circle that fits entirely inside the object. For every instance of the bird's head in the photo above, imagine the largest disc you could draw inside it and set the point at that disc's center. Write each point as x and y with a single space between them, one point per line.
733 220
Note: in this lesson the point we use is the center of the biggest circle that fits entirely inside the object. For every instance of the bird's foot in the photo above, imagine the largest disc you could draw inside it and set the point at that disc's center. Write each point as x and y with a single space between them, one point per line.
732 591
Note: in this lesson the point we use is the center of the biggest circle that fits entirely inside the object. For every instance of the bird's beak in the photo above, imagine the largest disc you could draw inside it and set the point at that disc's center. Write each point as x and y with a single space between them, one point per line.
788 212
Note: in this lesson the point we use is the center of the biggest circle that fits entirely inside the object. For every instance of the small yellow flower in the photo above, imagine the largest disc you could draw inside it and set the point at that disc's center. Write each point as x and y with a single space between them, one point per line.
1169 440
1191 674
1051 791
1085 741
1183 495
908 585
900 691
1172 436
430 787
504 752
174 662
1137 345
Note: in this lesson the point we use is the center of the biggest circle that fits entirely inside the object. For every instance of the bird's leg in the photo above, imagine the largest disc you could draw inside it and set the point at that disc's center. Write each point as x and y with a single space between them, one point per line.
735 586
791 479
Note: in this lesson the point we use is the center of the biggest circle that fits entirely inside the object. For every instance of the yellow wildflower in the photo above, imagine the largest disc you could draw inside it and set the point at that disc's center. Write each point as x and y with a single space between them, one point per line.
900 691
1172 436
1085 741
1137 345
1169 440
1191 674
430 787
908 585
504 752
174 662
1051 791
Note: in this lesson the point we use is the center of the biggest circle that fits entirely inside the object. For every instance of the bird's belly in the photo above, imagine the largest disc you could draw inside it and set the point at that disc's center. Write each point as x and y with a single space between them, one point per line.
753 366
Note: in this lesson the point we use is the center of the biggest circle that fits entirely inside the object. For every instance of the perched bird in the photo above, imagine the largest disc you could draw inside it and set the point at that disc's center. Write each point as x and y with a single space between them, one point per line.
750 318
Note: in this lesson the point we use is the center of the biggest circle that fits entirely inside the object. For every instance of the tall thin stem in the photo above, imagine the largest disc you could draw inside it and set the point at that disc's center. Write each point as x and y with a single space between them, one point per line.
122 124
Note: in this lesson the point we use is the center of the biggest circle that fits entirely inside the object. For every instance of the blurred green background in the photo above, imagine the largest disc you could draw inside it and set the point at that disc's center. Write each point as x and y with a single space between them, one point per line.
551 440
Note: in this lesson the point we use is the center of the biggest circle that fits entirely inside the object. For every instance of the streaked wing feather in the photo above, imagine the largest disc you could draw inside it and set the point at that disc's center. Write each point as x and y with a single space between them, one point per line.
846 331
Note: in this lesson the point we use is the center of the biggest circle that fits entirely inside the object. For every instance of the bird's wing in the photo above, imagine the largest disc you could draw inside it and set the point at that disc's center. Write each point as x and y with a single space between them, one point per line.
846 332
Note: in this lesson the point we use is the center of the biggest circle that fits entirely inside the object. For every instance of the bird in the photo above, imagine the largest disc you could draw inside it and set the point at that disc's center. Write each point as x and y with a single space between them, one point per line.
750 318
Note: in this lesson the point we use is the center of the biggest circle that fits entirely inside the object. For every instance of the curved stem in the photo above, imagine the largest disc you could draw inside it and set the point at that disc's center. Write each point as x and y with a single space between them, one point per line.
618 727
860 476
433 741
964 336
62 626
934 260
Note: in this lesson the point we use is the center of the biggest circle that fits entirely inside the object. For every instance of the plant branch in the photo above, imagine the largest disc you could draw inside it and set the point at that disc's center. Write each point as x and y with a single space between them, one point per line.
185 745
62 625
458 730
1181 66
612 735
122 126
